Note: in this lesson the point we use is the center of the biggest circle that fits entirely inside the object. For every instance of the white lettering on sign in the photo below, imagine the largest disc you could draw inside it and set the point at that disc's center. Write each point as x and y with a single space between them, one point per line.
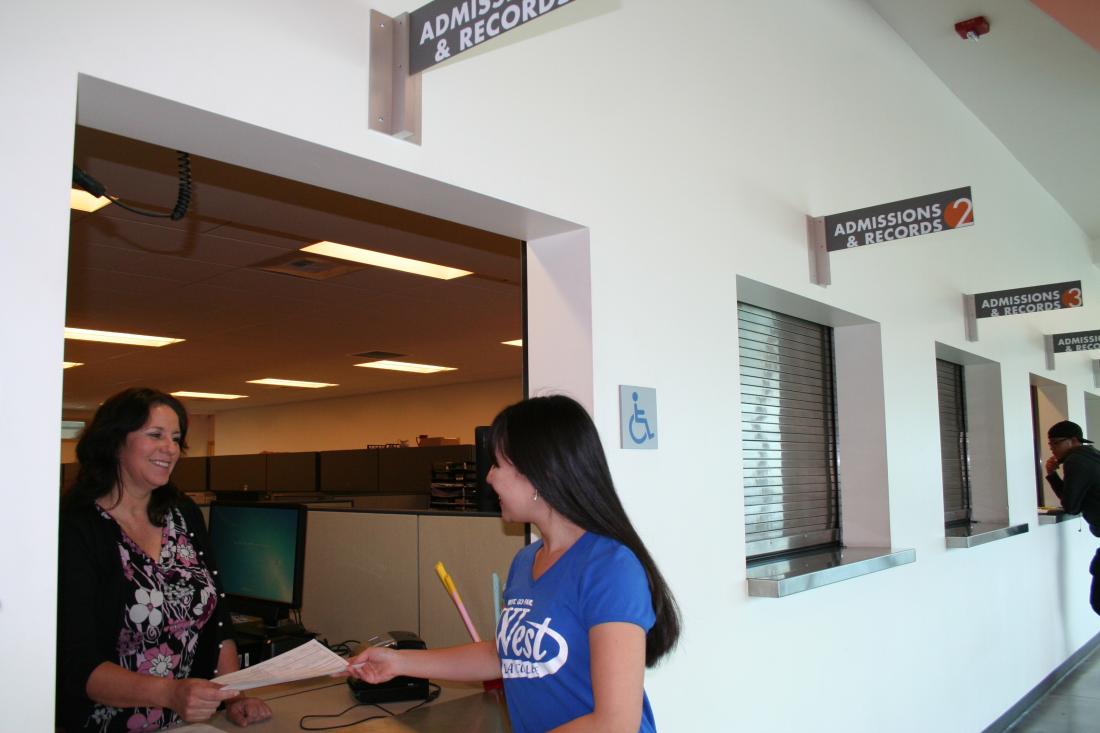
894 218
1047 297
478 20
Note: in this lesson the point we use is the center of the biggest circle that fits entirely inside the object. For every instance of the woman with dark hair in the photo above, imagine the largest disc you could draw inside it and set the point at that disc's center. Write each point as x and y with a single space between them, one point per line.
586 610
140 622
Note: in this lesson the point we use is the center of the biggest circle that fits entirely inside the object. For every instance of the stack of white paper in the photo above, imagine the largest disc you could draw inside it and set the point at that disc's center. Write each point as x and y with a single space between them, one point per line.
312 659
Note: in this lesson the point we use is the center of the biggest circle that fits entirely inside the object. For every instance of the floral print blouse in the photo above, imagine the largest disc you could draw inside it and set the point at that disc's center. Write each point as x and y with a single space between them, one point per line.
170 599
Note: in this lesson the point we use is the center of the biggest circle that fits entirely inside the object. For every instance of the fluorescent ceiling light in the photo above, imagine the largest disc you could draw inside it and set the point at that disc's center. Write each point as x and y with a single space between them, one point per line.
67 364
380 259
405 366
290 383
111 337
208 395
516 342
81 200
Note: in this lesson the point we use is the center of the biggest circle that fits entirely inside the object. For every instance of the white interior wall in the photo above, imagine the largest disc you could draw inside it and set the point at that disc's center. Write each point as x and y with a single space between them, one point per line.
450 411
691 157
1092 415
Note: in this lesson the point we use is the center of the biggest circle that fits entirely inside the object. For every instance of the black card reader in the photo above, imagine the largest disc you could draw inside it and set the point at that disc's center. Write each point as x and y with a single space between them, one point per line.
399 688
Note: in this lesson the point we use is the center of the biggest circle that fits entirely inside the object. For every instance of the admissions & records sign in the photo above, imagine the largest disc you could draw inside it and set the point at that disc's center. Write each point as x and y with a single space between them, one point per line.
1031 299
446 28
934 212
1076 341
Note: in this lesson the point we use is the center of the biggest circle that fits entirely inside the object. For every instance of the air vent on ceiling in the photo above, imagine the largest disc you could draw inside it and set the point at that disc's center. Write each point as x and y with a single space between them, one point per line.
311 267
378 355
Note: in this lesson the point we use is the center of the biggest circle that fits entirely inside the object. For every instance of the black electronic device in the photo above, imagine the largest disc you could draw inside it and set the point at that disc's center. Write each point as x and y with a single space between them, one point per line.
399 688
259 550
487 500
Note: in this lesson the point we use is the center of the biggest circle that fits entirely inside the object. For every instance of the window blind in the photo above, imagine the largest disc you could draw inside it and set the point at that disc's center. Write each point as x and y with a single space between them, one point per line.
788 428
953 447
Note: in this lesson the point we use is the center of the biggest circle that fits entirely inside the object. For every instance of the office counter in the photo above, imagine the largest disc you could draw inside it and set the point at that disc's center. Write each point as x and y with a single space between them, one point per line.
460 707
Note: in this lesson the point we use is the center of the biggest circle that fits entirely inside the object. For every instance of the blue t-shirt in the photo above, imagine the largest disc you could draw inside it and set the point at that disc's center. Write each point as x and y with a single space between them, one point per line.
542 633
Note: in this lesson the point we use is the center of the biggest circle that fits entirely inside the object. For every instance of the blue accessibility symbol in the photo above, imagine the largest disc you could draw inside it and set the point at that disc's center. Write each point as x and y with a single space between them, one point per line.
638 420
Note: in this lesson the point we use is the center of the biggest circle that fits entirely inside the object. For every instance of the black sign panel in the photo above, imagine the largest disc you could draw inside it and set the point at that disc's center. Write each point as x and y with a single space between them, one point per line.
913 217
1076 341
446 28
1028 300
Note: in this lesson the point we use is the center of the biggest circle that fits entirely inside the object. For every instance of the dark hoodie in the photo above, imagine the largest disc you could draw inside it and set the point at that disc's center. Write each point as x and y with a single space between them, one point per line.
1080 489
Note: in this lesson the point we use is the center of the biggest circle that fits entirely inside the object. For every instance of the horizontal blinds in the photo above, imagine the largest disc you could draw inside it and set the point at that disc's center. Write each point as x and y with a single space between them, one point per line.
788 432
956 480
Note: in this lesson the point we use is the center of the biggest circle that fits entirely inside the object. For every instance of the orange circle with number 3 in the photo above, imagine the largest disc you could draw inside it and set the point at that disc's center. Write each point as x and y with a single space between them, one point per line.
1071 298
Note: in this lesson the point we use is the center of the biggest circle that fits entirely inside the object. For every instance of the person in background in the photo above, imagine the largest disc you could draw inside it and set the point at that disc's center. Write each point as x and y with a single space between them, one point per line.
141 622
585 608
1079 485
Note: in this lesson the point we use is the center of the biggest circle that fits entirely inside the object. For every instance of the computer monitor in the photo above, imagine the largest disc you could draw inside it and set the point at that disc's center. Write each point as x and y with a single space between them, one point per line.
259 550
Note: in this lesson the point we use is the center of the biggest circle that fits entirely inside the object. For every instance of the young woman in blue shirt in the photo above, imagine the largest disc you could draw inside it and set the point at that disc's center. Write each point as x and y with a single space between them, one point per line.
585 609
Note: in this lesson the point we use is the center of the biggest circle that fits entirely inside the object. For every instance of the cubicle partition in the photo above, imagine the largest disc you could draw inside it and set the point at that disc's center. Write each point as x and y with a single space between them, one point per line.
369 572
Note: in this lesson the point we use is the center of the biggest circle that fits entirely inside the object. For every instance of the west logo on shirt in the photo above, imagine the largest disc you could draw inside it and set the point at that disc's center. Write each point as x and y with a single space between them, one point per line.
528 649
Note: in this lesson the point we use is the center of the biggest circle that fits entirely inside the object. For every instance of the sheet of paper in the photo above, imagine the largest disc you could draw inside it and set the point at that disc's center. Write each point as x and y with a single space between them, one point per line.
197 728
312 659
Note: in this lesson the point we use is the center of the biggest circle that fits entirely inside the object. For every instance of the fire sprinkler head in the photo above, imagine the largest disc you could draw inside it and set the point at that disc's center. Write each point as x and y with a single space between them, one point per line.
973 28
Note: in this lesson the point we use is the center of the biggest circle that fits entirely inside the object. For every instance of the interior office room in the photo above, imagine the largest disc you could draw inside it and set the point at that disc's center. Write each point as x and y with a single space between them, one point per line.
658 165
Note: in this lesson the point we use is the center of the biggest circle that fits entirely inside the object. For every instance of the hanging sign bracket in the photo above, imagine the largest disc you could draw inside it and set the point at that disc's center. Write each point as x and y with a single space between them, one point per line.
395 94
820 274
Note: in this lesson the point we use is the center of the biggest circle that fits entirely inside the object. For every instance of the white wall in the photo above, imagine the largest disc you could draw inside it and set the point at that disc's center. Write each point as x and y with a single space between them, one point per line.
691 144
451 411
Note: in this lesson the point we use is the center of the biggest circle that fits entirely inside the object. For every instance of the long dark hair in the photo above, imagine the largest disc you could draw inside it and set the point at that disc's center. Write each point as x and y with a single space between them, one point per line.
554 443
103 438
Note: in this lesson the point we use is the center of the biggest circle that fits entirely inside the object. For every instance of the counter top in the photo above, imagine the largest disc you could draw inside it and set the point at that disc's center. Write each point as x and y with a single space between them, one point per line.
981 533
778 578
460 707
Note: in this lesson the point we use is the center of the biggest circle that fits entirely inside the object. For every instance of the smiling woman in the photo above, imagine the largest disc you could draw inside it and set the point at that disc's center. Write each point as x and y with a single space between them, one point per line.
140 621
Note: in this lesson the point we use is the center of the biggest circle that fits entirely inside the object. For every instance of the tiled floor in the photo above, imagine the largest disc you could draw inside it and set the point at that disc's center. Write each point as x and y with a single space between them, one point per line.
1071 707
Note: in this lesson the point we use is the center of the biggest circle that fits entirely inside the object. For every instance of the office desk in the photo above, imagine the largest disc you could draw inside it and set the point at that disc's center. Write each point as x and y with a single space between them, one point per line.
462 708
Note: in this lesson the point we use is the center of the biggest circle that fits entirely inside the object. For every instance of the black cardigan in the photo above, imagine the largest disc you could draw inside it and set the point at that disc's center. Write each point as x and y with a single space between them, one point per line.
91 597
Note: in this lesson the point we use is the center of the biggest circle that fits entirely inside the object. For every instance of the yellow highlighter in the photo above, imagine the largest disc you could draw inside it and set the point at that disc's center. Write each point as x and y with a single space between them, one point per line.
452 591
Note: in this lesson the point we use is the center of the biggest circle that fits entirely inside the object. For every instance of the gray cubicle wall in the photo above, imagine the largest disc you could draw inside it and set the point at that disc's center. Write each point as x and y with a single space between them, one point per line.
472 549
370 572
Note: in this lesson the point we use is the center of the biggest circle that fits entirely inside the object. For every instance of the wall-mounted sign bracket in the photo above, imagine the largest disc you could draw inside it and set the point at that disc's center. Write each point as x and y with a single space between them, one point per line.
970 316
820 274
1048 347
395 95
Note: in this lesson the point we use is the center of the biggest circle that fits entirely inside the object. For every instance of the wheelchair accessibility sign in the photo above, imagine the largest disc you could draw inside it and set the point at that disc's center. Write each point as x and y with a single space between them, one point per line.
638 417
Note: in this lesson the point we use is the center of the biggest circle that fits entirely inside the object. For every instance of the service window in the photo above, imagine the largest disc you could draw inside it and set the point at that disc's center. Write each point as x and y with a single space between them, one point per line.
788 433
954 450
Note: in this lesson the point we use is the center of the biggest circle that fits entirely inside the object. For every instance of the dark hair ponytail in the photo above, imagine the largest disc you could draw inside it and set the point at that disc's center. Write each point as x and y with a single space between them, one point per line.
100 442
554 443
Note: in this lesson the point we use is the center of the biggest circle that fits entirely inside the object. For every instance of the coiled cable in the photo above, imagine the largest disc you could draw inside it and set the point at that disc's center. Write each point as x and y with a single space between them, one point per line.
183 193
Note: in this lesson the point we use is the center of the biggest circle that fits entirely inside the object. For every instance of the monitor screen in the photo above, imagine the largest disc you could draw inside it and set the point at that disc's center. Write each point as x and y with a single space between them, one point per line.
259 550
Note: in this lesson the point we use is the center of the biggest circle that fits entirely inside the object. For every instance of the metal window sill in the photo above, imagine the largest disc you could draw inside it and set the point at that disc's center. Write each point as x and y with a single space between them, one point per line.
796 574
1055 517
982 533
